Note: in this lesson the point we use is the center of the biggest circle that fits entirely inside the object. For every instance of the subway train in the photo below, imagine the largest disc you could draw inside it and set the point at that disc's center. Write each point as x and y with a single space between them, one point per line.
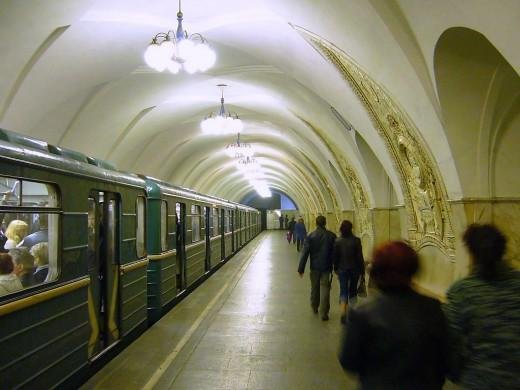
116 251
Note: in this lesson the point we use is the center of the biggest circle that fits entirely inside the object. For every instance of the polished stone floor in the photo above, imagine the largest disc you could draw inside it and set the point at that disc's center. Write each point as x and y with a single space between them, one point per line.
249 326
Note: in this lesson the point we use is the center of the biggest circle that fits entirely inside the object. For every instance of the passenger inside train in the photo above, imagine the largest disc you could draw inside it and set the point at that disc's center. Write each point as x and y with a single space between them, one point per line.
9 282
23 265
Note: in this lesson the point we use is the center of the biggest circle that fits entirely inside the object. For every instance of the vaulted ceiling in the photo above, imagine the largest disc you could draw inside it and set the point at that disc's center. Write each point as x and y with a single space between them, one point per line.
72 73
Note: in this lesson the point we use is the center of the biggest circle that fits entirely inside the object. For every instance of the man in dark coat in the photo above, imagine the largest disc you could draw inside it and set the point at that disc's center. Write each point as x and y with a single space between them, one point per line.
319 245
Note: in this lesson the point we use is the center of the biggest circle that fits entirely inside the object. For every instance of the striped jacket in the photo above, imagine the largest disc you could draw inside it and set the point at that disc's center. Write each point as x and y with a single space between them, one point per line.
484 322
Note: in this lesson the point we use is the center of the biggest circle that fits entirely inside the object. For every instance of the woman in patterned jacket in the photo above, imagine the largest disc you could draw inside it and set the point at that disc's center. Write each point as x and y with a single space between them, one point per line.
483 311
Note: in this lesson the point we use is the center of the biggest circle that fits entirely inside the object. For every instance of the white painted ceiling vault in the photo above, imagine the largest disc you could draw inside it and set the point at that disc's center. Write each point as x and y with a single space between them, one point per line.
72 73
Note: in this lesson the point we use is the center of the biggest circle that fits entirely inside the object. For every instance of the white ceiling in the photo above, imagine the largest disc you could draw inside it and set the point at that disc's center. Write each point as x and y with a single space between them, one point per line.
72 73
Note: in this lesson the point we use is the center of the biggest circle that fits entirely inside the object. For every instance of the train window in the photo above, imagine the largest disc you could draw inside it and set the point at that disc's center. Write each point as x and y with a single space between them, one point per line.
164 226
203 218
216 222
27 193
226 221
140 233
30 238
195 223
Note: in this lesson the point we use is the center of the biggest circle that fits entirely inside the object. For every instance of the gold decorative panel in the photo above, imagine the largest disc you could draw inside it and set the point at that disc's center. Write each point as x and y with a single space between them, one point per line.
429 216
359 197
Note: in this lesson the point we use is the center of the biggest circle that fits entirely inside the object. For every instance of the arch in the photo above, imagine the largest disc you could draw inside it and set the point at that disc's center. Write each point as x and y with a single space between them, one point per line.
479 94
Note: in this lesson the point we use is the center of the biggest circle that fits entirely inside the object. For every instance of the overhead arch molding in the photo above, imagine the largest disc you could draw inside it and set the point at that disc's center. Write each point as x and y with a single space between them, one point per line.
426 199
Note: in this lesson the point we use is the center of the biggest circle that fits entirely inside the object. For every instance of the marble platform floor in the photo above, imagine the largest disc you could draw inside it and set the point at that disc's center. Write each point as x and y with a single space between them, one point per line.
249 326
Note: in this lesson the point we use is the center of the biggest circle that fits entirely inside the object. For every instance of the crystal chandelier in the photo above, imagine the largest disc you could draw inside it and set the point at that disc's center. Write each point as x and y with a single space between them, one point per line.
239 149
174 50
221 122
249 166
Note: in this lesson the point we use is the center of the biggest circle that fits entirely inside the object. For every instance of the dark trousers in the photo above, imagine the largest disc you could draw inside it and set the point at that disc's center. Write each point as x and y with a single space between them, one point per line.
320 291
299 243
348 281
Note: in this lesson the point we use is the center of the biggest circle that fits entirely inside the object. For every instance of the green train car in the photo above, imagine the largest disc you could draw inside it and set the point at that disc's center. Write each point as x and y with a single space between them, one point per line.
190 235
95 257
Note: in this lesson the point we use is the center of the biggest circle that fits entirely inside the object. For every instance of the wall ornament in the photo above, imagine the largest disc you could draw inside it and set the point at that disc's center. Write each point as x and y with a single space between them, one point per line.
426 201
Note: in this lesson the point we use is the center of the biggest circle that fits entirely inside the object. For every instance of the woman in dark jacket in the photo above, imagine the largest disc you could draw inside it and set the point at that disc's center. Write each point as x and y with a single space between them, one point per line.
349 265
300 233
483 312
397 338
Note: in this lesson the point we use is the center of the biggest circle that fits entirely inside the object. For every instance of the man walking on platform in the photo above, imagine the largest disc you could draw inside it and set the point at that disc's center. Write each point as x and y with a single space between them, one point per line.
319 245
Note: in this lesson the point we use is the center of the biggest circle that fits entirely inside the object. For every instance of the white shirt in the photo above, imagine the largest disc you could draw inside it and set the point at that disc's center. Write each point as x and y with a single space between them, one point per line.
9 283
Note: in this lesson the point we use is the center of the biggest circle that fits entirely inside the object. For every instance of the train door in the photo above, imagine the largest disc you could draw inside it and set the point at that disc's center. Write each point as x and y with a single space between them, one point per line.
103 263
180 210
208 224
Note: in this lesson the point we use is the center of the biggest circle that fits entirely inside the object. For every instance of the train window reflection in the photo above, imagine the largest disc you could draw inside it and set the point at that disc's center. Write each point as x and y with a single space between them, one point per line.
227 229
140 234
216 223
27 193
195 223
164 226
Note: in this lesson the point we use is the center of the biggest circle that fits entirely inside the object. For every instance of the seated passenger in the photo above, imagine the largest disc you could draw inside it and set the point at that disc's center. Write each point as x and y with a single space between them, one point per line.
23 265
40 253
9 282
41 235
397 339
15 233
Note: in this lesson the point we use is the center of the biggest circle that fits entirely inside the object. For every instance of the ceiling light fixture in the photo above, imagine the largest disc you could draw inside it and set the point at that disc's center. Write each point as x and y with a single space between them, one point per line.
174 50
239 149
221 122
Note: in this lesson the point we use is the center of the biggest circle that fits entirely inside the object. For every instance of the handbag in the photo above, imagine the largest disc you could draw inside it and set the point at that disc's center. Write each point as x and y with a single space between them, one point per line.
362 288
289 236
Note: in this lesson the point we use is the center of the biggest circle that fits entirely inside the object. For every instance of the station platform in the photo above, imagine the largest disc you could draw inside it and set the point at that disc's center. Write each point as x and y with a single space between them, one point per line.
249 326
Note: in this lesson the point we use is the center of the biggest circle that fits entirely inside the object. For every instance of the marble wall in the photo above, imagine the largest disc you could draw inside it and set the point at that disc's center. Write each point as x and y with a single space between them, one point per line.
503 212
387 224
438 268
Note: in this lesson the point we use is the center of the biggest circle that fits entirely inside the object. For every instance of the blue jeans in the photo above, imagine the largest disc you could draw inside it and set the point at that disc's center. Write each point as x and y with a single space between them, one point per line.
348 281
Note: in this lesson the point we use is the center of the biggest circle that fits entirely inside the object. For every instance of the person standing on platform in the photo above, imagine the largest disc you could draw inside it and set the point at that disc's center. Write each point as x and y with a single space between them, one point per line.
397 339
299 233
318 245
286 221
291 237
483 312
280 219
349 265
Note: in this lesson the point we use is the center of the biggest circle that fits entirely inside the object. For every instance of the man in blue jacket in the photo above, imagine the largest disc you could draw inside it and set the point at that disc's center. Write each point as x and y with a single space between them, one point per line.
319 245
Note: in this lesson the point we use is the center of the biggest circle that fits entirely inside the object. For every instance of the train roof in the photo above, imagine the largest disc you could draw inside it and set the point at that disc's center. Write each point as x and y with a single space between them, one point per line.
31 151
183 192
38 153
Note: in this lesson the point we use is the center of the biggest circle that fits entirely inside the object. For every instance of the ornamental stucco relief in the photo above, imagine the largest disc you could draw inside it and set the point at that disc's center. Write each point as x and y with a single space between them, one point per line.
350 177
429 217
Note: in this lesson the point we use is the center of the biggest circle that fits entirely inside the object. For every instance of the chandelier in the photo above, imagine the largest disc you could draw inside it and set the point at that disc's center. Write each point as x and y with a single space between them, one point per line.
221 122
250 167
174 50
239 150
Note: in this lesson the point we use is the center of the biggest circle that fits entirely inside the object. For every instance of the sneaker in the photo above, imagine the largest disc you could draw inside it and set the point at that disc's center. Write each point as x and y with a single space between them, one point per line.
325 317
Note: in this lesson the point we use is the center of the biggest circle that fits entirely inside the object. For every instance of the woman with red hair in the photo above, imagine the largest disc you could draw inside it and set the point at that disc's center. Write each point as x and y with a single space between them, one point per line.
397 338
